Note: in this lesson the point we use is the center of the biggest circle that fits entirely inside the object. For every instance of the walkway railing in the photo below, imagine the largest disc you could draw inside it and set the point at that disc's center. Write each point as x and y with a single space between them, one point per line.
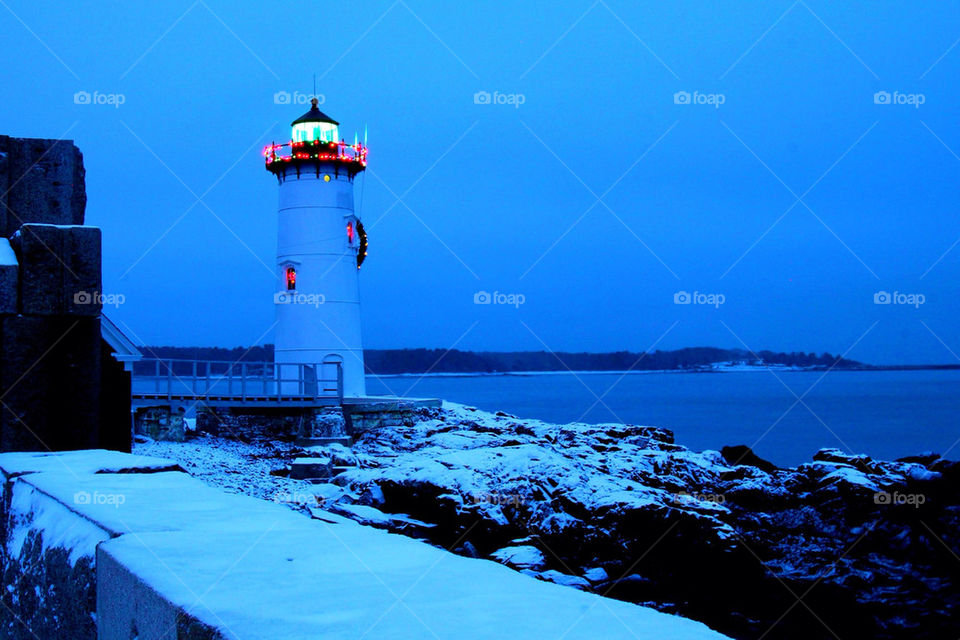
228 382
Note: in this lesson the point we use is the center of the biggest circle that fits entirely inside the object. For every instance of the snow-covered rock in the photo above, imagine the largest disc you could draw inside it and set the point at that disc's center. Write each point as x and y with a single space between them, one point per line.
626 511
143 552
520 557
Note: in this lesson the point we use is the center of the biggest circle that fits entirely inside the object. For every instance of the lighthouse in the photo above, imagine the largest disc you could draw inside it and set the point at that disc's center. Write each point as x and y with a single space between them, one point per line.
321 244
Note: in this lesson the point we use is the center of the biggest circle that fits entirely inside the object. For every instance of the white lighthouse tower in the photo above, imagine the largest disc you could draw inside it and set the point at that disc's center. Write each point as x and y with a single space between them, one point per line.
320 246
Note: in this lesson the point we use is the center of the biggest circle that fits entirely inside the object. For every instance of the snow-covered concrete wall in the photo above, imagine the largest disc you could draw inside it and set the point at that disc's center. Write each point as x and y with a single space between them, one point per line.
114 546
49 539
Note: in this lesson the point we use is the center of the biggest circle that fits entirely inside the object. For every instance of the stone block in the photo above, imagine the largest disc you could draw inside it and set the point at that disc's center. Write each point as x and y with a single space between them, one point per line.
9 274
44 181
160 423
59 270
309 468
50 374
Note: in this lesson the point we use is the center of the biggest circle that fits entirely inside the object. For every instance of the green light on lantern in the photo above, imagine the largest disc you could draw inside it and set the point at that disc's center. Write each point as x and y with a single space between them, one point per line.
309 131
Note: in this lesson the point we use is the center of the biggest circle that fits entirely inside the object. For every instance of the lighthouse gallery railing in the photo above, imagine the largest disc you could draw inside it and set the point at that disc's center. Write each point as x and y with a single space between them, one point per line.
243 382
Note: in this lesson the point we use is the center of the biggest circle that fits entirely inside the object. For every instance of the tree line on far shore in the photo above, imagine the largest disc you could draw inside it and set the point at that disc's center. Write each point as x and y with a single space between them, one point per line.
418 361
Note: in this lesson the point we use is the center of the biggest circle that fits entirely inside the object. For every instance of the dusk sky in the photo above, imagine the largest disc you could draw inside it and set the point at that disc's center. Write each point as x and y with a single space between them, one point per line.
810 160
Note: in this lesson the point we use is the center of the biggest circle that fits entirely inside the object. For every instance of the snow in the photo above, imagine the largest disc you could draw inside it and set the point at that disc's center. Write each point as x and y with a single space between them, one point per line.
596 574
32 510
522 557
7 256
349 581
843 473
563 579
540 485
164 501
264 570
81 462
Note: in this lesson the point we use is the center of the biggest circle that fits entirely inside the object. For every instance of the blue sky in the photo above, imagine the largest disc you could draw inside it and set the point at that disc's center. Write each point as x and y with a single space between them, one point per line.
598 199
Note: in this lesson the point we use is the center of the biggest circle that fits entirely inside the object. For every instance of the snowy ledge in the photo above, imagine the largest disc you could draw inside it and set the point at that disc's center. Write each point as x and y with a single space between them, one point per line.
176 556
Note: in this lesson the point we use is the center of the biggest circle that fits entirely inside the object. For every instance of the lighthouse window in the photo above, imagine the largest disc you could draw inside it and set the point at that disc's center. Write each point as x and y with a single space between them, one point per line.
310 131
350 232
291 279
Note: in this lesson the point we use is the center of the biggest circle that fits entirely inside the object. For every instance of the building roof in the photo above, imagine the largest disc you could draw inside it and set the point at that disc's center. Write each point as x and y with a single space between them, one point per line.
124 349
314 115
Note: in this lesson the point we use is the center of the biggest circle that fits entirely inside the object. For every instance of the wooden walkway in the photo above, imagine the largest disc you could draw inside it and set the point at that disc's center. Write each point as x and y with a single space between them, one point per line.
236 384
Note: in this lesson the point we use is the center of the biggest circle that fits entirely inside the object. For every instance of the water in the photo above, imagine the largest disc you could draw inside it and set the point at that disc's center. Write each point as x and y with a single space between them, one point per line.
885 414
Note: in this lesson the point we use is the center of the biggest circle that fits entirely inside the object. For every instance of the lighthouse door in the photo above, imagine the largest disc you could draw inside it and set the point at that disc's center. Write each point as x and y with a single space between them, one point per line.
330 373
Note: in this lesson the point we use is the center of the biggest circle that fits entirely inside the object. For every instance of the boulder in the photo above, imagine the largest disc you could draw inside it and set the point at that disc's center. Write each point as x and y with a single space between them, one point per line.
741 454
311 468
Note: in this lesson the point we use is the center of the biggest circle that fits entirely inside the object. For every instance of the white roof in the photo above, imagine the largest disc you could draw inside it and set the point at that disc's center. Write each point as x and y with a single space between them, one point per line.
123 347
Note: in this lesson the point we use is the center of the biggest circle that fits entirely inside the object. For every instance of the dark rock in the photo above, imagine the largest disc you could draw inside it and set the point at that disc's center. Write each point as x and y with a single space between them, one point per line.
741 454
857 461
732 547
926 459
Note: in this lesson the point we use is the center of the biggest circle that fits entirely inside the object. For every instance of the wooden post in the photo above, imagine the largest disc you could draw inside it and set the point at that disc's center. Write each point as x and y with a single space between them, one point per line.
243 382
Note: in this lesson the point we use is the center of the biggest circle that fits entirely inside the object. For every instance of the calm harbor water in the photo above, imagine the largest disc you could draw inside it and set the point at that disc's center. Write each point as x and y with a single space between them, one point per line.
886 414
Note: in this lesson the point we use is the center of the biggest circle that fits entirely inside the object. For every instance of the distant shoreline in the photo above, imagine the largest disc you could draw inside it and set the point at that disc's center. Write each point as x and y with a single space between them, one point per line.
471 364
738 369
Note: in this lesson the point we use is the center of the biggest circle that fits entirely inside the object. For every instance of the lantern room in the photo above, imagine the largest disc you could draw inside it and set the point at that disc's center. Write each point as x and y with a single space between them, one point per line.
315 142
315 125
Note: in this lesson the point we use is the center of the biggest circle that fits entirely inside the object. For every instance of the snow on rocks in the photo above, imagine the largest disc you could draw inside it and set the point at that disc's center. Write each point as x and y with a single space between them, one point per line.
175 555
520 557
626 511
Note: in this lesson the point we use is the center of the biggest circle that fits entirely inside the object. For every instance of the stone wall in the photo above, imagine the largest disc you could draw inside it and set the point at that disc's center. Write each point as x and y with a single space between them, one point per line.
286 424
390 413
41 181
53 364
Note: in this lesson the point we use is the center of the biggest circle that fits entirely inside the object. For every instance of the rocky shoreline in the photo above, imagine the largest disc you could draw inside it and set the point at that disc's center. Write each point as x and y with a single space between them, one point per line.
840 547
